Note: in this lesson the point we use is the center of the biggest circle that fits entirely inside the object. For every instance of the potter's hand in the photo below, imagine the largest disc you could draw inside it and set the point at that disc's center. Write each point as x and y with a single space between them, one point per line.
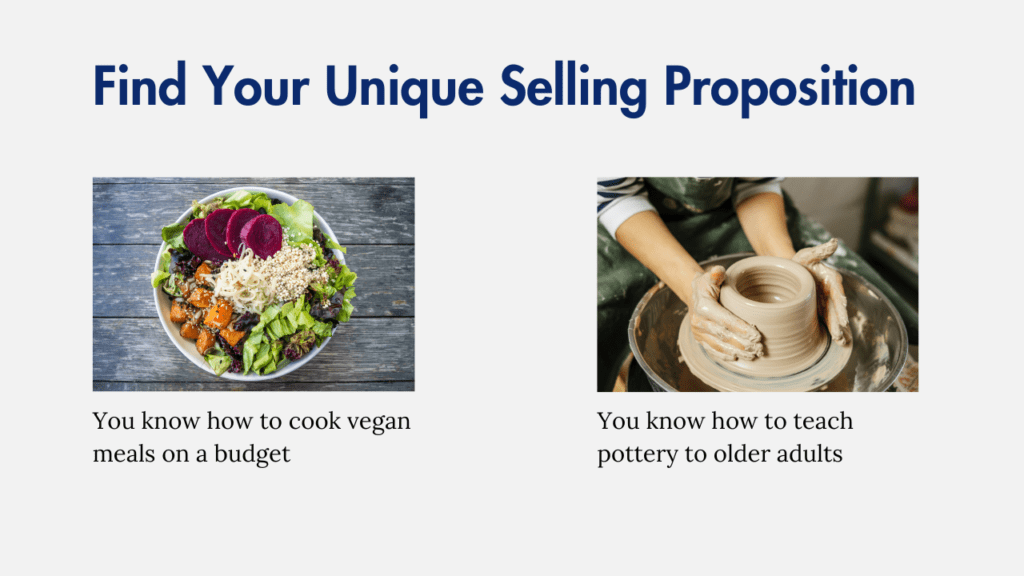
831 296
723 334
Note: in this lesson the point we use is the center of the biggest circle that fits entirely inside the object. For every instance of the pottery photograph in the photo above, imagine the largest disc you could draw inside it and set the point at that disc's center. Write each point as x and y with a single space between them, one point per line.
721 284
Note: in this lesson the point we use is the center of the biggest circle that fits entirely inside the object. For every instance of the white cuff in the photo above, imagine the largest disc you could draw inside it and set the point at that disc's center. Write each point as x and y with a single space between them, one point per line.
612 216
740 197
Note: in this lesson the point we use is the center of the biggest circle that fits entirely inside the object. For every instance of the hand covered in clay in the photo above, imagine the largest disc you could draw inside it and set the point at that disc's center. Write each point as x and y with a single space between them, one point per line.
831 296
722 334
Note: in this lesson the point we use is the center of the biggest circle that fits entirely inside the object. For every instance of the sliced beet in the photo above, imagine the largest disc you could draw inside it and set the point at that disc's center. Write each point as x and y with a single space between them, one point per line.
216 230
263 235
238 219
196 242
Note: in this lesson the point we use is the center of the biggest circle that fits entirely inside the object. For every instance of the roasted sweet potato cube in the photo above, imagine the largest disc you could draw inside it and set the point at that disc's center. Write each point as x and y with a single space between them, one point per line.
232 336
202 274
180 312
205 341
219 315
190 331
200 298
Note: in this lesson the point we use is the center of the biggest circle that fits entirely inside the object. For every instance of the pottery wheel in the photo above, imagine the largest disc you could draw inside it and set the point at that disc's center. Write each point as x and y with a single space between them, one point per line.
714 374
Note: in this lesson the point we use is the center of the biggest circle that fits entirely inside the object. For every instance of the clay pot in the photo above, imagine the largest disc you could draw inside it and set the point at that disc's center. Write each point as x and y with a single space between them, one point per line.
777 296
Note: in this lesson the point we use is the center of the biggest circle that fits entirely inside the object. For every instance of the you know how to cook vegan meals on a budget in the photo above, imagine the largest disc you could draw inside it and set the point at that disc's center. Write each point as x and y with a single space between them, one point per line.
253 280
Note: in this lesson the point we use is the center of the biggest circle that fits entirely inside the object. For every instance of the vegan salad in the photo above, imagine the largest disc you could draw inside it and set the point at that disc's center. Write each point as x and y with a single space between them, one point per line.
253 281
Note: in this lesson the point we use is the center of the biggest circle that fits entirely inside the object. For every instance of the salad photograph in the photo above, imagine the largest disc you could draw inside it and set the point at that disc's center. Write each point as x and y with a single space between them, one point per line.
252 281
225 284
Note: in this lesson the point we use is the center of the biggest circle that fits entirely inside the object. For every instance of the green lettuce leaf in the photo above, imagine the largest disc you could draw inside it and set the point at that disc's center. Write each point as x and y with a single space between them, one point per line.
173 236
345 278
278 328
158 277
252 346
261 361
219 362
268 356
289 326
163 271
170 285
262 350
297 220
203 210
295 314
346 311
305 320
269 314
263 357
247 199
322 329
319 261
324 290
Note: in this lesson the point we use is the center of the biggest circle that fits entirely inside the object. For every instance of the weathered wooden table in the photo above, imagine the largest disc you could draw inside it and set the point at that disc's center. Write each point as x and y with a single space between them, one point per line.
372 217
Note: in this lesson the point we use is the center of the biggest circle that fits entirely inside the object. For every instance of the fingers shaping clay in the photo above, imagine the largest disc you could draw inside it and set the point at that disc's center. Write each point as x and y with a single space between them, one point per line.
777 296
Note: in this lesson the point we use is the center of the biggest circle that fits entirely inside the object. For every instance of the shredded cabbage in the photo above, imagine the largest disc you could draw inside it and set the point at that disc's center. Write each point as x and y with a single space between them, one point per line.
243 283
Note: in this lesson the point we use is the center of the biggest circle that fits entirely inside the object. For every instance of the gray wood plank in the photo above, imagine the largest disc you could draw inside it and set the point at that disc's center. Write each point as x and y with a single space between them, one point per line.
134 213
121 288
240 181
271 386
362 350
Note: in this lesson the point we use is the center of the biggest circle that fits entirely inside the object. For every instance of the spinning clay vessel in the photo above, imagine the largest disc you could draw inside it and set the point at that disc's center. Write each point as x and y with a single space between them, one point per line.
776 296
666 354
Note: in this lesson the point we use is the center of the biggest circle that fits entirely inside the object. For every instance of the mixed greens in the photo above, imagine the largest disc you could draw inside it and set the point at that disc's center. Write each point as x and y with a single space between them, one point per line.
255 292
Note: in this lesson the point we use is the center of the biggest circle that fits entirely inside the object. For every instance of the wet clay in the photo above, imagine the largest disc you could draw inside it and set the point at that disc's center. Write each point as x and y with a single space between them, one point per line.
776 296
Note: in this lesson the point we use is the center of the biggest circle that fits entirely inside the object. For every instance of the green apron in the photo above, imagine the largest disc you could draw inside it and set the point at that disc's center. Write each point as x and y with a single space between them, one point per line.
700 215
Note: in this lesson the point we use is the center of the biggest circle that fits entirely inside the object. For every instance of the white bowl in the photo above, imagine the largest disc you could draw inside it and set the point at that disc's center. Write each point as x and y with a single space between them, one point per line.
188 347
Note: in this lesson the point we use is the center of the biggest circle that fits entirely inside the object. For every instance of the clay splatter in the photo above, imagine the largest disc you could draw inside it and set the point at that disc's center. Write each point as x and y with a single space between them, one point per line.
874 371
813 234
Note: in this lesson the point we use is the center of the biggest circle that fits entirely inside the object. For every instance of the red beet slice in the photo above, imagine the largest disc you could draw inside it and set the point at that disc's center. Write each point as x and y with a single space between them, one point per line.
196 242
239 219
216 230
263 235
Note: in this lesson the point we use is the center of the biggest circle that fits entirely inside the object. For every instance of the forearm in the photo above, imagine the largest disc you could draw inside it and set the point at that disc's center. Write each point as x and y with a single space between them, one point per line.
763 218
647 238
